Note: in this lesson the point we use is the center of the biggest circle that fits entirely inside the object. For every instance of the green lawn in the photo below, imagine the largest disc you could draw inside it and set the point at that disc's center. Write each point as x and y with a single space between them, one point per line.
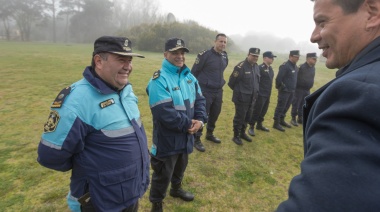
227 177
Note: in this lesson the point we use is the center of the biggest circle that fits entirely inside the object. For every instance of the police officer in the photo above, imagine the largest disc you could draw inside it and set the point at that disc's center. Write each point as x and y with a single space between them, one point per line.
305 81
95 130
265 89
208 68
286 84
244 81
179 110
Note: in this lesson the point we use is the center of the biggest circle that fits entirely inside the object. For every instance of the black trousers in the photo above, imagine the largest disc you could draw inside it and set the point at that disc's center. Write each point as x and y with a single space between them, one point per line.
299 101
260 108
284 100
90 208
166 170
242 116
214 101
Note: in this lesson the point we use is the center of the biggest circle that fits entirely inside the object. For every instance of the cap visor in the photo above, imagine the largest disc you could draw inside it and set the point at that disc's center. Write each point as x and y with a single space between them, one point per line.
176 48
128 54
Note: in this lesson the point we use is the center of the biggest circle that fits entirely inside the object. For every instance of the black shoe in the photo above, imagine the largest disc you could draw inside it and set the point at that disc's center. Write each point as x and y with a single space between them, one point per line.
184 195
299 120
283 123
277 126
245 137
294 122
237 140
261 127
212 138
251 131
199 146
156 207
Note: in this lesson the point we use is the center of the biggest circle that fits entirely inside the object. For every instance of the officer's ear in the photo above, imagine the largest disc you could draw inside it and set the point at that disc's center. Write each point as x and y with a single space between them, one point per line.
372 8
98 61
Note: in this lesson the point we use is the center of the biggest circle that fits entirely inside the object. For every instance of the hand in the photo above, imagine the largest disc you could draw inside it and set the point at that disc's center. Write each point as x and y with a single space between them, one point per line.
195 126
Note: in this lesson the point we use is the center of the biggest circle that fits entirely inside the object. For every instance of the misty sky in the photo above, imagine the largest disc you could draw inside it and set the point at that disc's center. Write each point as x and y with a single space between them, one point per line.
292 18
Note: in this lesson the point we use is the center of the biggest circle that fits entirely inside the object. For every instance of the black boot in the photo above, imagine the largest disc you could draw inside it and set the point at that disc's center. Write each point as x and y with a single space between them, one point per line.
277 126
299 120
244 136
260 126
198 144
283 123
177 191
156 207
210 136
236 139
251 130
294 122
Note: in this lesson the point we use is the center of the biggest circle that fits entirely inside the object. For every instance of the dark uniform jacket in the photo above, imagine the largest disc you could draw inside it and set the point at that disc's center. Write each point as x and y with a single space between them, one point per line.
244 81
287 77
305 77
266 80
341 168
208 68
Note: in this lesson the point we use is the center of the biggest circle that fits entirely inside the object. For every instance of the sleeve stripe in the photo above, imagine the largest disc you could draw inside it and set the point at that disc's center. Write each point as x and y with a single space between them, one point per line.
51 145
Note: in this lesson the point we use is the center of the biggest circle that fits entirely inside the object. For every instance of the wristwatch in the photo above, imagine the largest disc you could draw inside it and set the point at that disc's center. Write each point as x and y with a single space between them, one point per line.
202 125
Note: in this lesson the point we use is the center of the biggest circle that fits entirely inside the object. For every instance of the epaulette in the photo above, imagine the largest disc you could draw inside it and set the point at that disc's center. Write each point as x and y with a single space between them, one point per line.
202 52
61 97
240 64
156 74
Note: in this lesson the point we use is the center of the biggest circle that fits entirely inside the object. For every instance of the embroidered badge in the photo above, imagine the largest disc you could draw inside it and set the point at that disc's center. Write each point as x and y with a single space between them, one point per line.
235 74
126 46
107 103
61 97
52 122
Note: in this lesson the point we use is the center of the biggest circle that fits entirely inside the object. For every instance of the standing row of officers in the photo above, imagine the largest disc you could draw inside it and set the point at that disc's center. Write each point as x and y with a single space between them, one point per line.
252 87
95 130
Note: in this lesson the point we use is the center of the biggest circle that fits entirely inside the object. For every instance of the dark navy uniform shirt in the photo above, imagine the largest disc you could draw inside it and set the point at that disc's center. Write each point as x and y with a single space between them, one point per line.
266 80
305 77
208 68
286 79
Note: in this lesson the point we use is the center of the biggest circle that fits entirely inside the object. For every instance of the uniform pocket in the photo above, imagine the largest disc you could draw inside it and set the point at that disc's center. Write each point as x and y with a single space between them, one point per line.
120 185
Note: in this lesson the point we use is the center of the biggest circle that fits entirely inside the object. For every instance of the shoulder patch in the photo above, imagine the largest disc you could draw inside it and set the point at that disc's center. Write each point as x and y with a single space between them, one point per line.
52 122
156 74
61 97
235 73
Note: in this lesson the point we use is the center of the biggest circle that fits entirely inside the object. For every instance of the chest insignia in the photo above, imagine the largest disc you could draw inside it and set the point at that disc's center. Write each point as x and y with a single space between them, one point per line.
107 103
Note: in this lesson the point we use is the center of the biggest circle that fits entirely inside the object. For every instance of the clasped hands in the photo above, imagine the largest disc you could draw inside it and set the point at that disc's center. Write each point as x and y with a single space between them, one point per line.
195 126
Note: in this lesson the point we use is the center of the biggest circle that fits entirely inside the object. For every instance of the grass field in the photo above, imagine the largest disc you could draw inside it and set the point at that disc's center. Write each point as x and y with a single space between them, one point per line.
227 177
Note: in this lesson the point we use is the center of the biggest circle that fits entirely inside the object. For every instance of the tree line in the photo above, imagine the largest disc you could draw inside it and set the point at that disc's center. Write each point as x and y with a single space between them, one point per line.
83 21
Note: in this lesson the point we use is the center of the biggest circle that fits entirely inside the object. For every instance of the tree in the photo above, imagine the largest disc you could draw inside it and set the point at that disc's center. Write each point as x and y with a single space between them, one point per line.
6 11
68 9
26 13
95 20
52 6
